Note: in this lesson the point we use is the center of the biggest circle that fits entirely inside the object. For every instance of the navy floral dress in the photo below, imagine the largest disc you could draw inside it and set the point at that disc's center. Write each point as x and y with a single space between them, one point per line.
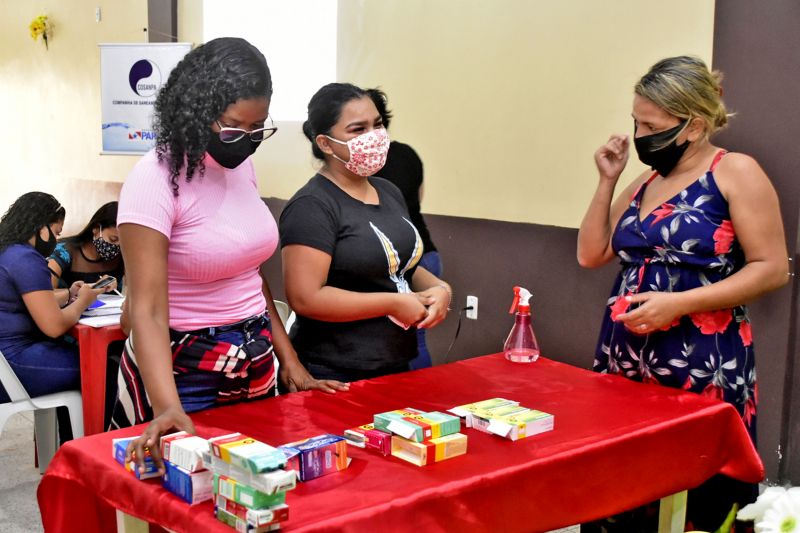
686 242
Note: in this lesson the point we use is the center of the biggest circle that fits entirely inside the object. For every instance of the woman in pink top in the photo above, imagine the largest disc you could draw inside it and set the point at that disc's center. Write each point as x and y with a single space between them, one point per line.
194 232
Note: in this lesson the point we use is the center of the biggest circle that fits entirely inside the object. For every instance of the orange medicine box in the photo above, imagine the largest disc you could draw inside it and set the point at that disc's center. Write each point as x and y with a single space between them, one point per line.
429 451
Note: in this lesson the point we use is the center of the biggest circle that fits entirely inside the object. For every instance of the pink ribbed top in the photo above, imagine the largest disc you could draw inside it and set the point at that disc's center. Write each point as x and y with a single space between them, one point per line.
219 231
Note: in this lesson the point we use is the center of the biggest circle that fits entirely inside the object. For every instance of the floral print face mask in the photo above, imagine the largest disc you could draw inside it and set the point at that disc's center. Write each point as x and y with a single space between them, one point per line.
367 152
107 251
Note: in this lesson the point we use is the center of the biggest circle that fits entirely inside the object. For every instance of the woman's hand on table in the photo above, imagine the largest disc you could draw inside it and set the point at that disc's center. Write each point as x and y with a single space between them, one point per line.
296 378
173 418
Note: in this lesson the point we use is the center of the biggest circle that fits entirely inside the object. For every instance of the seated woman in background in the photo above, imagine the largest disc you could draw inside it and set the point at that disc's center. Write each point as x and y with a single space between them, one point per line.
91 254
32 314
350 252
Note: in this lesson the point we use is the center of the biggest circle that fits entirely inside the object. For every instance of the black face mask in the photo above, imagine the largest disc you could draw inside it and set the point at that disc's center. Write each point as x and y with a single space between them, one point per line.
231 155
652 152
45 247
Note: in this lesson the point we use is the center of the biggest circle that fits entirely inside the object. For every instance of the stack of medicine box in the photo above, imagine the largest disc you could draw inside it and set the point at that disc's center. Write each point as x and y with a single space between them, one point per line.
249 483
506 418
422 437
186 474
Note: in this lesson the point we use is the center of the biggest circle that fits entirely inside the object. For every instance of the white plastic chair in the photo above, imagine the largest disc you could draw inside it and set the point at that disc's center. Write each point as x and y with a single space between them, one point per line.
44 412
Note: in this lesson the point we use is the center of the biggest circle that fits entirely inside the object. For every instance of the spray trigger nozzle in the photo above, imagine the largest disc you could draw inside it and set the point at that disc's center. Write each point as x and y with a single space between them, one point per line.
521 300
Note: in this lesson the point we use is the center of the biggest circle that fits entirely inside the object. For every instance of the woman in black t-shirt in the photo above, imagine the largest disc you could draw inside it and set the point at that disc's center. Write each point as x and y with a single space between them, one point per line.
350 251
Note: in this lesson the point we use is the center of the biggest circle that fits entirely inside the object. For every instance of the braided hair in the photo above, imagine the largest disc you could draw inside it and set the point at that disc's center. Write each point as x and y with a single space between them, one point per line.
199 89
28 214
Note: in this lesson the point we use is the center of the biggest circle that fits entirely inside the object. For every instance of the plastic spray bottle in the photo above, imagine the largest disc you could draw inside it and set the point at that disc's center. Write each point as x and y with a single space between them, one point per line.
521 345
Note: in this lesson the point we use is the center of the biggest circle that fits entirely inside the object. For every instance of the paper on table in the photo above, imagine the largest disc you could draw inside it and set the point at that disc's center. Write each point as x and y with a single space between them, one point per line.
100 321
106 304
108 300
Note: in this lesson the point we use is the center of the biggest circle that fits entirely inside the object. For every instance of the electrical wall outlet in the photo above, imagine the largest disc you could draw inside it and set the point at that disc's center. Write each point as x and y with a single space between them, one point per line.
472 301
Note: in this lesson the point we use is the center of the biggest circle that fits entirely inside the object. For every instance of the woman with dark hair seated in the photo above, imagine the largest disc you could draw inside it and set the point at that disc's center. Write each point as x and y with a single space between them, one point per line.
91 254
32 315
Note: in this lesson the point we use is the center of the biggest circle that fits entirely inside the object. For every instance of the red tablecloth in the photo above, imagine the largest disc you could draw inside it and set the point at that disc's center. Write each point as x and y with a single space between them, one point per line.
616 444
93 349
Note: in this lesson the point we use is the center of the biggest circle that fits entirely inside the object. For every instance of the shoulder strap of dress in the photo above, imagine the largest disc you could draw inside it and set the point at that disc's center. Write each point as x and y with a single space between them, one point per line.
639 188
717 159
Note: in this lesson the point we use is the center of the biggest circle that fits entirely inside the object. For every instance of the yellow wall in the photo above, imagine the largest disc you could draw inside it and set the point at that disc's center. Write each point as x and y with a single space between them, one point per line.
50 139
505 100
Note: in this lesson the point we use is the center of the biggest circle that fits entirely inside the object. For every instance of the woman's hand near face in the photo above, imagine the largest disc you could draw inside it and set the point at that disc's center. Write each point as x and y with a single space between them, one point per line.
612 157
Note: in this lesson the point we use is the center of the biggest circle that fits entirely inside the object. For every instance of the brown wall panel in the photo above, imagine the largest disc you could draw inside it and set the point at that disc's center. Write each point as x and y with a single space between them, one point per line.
486 259
756 47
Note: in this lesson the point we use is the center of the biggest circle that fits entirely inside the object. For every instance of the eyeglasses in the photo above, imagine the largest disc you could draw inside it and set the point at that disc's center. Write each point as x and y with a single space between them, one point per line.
231 135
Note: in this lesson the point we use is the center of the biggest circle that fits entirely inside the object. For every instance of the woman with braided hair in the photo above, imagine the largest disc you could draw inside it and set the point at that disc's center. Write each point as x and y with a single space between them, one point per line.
33 316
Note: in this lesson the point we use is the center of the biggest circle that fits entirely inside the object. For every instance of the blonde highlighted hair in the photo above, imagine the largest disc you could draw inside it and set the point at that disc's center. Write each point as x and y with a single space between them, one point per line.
684 87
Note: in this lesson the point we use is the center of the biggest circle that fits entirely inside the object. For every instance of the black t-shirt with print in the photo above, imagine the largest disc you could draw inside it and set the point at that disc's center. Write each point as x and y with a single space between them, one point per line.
373 248
404 169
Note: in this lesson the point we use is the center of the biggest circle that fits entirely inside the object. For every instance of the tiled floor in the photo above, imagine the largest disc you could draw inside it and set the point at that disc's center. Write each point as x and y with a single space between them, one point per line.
19 511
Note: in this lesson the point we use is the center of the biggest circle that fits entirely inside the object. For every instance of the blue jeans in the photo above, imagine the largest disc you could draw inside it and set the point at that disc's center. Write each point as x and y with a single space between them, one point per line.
433 264
43 368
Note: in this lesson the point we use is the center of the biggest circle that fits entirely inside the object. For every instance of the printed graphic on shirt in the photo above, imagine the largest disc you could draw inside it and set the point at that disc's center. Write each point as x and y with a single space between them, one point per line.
393 257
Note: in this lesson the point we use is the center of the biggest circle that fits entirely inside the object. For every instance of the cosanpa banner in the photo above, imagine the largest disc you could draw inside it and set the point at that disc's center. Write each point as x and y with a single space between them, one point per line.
131 76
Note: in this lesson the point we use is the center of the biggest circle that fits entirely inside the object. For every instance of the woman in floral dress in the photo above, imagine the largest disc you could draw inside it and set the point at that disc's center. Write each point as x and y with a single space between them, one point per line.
698 237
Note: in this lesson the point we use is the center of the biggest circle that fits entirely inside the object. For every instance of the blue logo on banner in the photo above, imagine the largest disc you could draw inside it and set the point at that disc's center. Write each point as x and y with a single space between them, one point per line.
144 78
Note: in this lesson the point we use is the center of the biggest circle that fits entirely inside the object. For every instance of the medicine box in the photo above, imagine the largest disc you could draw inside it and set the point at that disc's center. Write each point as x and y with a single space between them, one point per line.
254 517
184 450
465 411
318 456
430 451
192 487
240 525
514 426
267 482
366 436
244 494
119 446
248 453
417 425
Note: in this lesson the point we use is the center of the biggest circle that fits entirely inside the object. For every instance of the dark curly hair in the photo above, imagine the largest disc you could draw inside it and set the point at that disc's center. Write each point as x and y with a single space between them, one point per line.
380 100
105 217
28 214
199 89
325 109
